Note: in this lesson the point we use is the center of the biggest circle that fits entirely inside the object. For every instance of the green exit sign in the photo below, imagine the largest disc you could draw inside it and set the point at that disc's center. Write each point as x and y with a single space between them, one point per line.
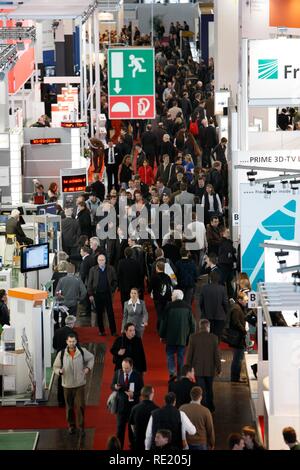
131 83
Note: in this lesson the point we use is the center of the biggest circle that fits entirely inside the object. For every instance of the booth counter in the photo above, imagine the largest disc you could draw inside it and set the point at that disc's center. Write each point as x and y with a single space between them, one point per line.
32 323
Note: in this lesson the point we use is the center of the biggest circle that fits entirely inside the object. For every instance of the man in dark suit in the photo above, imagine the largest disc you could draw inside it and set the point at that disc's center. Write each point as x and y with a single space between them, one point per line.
182 388
149 144
203 354
86 263
59 343
214 304
116 249
128 384
102 284
112 161
70 231
139 418
129 275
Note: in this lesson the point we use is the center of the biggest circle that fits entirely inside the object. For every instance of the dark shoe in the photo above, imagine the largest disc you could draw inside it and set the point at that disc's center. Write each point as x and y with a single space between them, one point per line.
102 333
254 370
82 432
72 430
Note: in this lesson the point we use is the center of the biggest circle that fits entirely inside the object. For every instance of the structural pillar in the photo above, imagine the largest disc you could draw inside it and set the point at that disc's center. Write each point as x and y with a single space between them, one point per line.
227 45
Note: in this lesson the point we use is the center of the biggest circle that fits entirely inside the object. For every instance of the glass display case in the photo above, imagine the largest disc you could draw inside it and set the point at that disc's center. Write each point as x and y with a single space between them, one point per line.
47 229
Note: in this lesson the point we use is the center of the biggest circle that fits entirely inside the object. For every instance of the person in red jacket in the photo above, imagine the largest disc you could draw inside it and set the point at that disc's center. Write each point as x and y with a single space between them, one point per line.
146 173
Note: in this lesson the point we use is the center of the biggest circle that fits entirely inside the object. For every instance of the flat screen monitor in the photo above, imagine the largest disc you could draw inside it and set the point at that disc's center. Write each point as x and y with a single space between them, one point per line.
34 257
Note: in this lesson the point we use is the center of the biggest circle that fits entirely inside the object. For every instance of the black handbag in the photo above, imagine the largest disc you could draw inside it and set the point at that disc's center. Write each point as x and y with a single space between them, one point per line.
232 337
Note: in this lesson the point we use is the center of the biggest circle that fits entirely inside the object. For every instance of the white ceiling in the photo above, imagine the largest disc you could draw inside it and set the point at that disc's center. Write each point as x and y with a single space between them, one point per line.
42 9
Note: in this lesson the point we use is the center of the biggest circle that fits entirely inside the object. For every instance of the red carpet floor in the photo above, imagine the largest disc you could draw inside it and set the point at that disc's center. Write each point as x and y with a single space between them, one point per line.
43 417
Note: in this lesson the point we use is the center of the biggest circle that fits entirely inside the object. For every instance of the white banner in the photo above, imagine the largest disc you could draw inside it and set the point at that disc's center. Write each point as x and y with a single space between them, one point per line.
275 218
274 70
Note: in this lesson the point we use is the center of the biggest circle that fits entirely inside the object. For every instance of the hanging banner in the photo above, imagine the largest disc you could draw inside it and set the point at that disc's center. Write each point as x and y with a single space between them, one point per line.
276 217
274 71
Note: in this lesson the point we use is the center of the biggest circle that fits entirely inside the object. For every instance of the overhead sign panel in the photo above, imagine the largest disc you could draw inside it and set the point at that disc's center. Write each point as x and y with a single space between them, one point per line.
131 83
274 71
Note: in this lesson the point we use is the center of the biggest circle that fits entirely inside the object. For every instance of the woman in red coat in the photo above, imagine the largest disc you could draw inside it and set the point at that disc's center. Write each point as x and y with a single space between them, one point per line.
146 173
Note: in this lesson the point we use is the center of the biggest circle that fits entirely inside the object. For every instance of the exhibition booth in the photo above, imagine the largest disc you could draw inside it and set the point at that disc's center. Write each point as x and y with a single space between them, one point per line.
264 166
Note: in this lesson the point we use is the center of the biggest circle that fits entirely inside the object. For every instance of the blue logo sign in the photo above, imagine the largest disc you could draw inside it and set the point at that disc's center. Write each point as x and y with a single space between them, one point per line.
267 69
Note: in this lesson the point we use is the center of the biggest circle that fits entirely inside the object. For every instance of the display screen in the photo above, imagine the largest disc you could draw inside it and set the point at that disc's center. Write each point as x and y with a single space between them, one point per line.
73 125
45 141
46 209
34 257
73 183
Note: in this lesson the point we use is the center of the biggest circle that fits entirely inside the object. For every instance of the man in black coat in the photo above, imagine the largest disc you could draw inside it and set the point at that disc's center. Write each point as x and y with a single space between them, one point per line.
70 231
59 343
116 249
98 187
218 152
128 384
149 144
86 264
214 304
112 160
129 275
84 219
139 418
238 324
182 388
226 260
129 345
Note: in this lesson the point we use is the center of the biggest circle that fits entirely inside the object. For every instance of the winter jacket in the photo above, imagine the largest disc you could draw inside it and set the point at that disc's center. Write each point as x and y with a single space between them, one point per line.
73 368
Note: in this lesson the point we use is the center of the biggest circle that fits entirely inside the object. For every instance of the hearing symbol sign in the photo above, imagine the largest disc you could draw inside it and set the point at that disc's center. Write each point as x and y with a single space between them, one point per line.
131 83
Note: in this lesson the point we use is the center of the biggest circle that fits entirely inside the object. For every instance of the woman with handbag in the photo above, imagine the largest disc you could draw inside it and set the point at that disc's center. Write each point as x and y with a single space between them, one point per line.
237 328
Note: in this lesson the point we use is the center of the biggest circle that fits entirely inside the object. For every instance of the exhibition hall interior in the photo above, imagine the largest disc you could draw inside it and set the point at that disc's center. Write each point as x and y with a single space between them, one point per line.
150 226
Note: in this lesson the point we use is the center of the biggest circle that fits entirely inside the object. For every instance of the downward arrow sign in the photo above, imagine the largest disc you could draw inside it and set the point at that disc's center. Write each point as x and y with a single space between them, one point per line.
117 86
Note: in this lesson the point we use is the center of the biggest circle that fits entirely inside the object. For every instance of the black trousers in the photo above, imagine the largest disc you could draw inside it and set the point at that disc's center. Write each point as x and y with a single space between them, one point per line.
122 420
104 301
60 392
206 383
217 327
112 171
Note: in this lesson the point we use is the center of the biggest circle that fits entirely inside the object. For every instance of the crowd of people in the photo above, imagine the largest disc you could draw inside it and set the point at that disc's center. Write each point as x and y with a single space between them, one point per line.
176 160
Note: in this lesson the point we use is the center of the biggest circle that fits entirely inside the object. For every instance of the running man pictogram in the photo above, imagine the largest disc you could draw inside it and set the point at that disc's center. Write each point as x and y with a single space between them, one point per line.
136 63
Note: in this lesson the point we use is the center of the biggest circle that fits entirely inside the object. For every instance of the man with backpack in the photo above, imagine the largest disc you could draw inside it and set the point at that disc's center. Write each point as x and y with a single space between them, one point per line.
73 364
59 344
161 289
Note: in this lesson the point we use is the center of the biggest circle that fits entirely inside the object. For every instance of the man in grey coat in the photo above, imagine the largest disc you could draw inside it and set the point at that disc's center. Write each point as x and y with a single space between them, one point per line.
71 290
73 364
184 197
203 354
